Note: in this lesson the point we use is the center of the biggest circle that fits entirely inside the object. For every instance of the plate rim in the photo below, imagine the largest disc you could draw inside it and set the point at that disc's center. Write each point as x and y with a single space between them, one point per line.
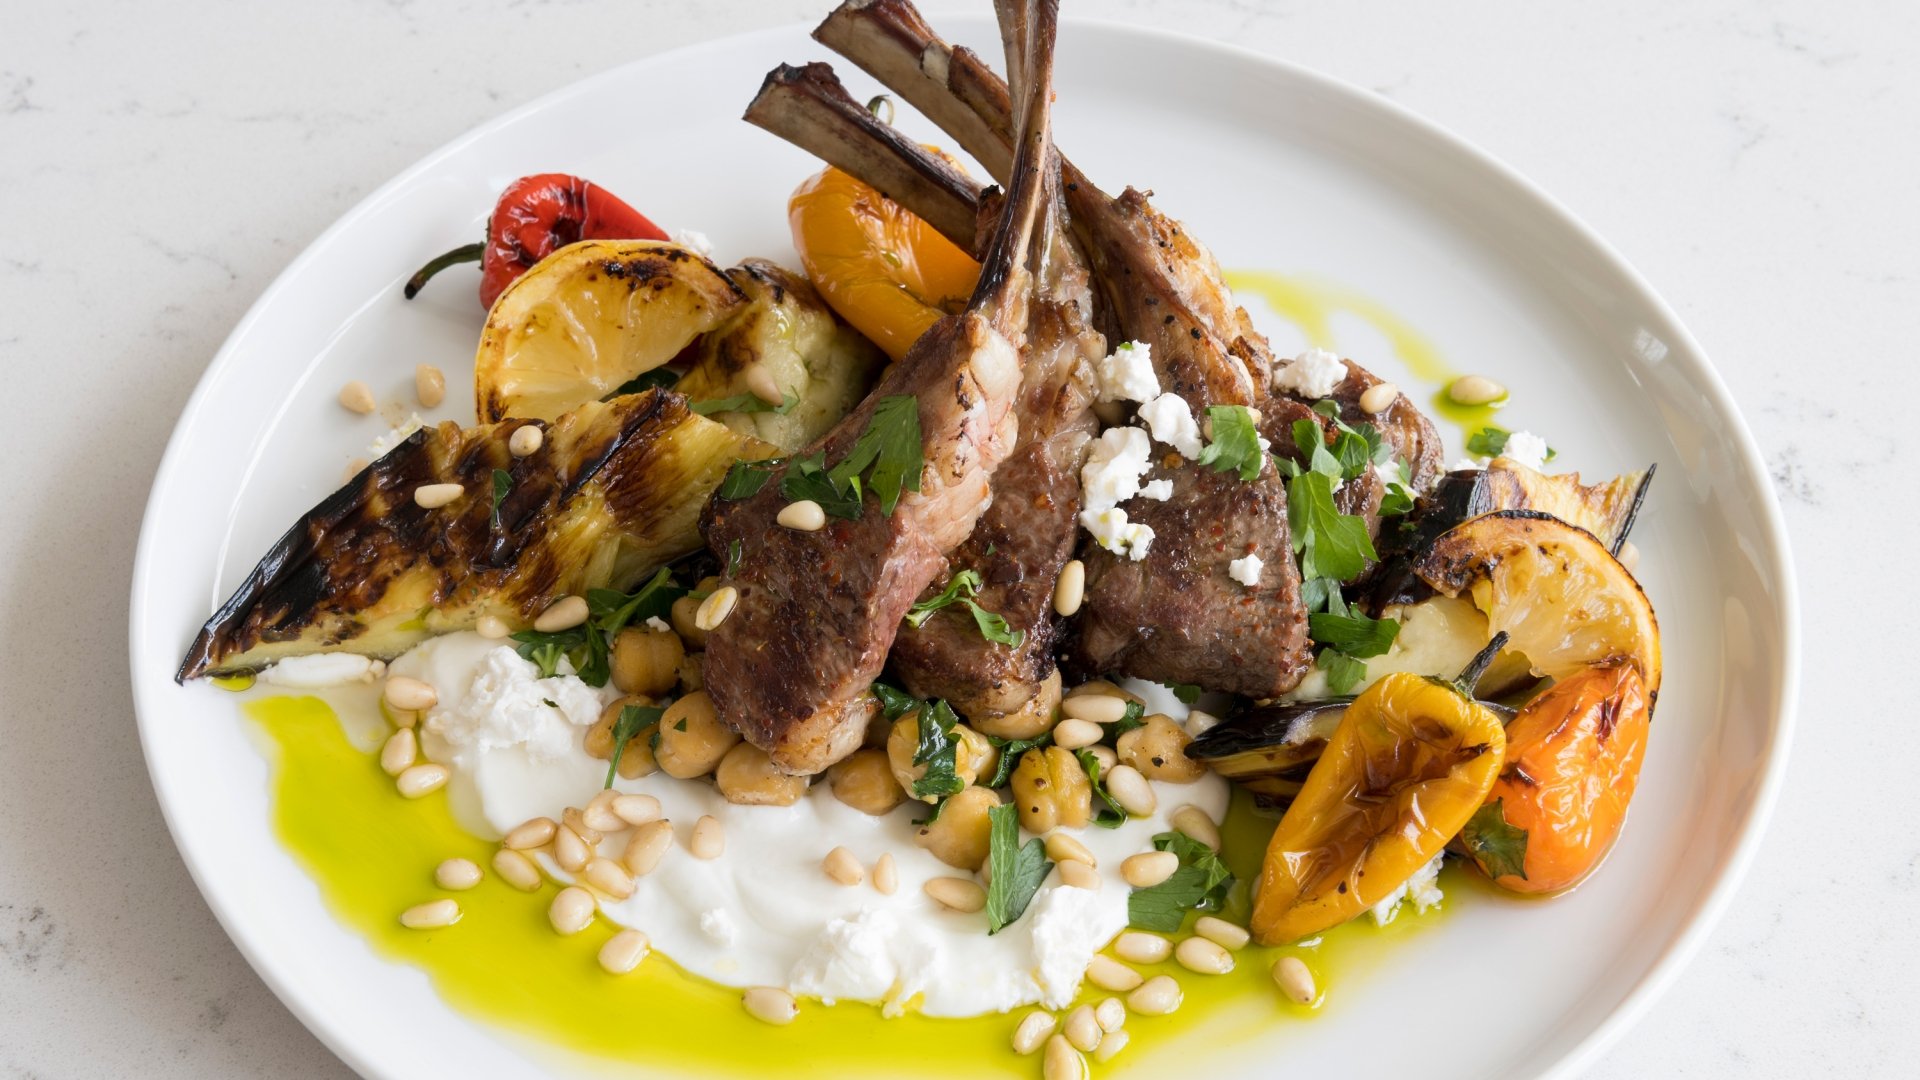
1737 860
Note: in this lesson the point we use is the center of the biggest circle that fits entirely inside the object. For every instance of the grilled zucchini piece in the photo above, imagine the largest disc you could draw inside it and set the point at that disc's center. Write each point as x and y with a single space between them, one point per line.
614 491
786 330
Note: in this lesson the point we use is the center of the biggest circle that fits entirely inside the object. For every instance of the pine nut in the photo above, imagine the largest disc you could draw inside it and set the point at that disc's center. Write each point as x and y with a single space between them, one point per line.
609 877
357 397
709 838
563 614
624 951
457 874
1198 723
636 809
376 669
420 780
1072 734
599 815
886 875
1142 948
1378 398
1032 1032
1071 588
429 385
803 516
571 910
1149 868
715 608
1098 708
759 382
770 1004
1078 875
1105 756
409 695
570 851
1062 847
1130 790
435 496
842 867
1111 1013
1475 390
573 818
516 870
1197 954
1081 1029
1110 1044
525 440
401 750
1295 980
431 915
1159 996
1109 974
1221 932
1629 556
648 844
492 626
1062 1061
1197 825
957 894
531 834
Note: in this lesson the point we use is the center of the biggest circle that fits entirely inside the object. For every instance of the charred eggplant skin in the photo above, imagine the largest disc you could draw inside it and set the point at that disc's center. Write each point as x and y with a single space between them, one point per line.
1255 743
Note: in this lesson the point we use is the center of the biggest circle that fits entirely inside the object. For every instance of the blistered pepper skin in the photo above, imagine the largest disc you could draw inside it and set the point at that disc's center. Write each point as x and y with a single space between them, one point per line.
1410 763
1573 761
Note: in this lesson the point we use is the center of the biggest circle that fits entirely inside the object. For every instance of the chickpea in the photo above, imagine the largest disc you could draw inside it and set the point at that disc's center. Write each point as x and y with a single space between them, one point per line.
1159 750
692 738
692 675
1102 686
747 776
958 837
646 661
637 759
682 618
1030 720
864 780
1051 790
969 759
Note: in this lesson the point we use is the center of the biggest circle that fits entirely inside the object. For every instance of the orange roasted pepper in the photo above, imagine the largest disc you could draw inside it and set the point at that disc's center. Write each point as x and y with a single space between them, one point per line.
1411 761
1573 759
885 271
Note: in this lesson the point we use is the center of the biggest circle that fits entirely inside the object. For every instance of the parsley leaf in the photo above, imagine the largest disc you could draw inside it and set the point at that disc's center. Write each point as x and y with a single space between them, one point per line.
1186 693
1488 441
888 451
1200 884
937 750
1010 751
545 655
658 377
502 483
746 478
894 704
1111 815
994 627
960 589
745 403
1499 848
590 644
1330 544
1343 671
1236 442
633 720
808 478
1131 717
1350 630
1017 869
733 558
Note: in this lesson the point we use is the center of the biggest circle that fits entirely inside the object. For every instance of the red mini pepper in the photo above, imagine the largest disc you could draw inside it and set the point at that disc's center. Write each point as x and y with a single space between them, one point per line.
536 216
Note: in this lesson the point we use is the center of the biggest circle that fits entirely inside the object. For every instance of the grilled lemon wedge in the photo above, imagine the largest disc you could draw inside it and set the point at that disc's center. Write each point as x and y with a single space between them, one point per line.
591 317
615 490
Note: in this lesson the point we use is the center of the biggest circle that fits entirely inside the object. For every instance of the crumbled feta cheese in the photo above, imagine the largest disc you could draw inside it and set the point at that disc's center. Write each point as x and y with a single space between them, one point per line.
695 241
1115 463
1246 571
1423 888
1312 374
378 448
655 622
718 924
319 670
1126 374
1157 490
1171 422
1526 448
1114 532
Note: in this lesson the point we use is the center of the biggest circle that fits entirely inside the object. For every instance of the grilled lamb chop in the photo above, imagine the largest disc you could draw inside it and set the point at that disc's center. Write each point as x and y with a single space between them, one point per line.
1175 615
817 612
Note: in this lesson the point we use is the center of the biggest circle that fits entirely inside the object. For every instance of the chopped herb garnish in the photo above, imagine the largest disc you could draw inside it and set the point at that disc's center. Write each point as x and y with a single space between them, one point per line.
1017 869
661 377
1133 716
887 455
1343 671
1350 630
1330 544
961 589
549 703
745 403
632 721
1200 884
733 558
1108 814
680 727
502 484
1185 693
937 750
1491 442
590 644
1010 751
746 478
1499 848
1236 442
894 704
545 655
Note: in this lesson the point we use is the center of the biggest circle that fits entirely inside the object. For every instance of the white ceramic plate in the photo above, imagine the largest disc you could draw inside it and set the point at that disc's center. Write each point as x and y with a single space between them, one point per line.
1277 169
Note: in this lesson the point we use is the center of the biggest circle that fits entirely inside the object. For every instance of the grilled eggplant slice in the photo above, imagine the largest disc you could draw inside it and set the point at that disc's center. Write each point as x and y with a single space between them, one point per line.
614 491
791 334
1270 748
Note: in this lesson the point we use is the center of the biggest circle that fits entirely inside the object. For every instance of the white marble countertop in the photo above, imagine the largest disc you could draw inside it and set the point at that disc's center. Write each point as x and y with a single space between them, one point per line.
1754 158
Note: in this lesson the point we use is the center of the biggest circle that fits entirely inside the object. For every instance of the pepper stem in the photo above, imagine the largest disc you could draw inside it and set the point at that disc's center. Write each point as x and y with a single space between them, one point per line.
462 254
1469 676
